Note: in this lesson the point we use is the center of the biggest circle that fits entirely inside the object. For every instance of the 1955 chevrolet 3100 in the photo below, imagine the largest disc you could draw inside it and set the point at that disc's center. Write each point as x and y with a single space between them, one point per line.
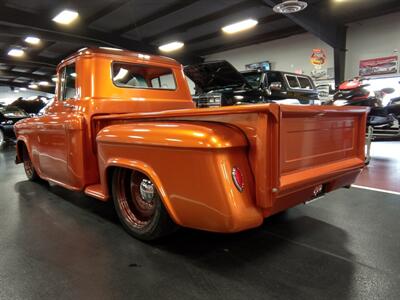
123 126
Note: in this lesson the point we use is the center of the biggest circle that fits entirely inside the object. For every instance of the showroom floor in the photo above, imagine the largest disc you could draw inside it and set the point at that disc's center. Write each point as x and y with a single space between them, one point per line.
59 244
383 172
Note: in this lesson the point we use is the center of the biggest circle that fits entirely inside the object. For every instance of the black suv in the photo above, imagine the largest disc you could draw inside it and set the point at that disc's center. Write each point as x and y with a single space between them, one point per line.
218 83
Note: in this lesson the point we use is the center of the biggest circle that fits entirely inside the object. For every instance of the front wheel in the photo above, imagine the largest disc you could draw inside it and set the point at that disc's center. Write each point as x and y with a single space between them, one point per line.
2 139
28 166
139 206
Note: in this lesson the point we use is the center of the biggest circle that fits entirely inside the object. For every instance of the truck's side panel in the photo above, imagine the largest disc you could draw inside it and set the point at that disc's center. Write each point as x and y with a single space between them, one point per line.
191 165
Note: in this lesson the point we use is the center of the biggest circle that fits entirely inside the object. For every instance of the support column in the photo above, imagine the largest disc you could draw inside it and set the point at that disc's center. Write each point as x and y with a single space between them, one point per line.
340 63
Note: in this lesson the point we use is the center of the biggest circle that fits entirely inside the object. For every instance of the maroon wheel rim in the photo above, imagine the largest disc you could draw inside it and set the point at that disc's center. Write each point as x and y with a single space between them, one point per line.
28 166
136 211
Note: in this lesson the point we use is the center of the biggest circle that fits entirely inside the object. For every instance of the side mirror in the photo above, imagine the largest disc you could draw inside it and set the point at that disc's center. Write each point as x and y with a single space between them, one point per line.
275 86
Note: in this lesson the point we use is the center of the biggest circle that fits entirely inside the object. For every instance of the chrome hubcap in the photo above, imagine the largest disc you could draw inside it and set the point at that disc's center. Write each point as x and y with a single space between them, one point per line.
147 190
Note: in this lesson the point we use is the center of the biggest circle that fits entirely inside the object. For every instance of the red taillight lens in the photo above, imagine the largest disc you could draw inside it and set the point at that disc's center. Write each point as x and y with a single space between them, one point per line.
238 179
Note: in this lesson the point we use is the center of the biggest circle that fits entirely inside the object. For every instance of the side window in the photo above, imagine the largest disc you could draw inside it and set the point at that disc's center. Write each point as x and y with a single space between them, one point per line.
292 81
129 75
305 83
68 82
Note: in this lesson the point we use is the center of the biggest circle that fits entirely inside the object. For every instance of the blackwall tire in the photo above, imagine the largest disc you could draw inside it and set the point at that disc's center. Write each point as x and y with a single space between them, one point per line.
30 171
144 219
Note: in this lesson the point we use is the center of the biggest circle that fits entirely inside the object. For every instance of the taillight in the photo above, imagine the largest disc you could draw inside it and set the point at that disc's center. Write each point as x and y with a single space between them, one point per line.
238 179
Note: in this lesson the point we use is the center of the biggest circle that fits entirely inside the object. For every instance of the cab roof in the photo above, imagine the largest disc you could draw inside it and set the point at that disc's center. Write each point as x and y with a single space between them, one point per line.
121 53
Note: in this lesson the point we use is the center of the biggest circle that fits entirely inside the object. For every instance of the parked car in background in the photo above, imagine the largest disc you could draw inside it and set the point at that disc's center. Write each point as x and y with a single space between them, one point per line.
30 106
218 83
280 85
9 115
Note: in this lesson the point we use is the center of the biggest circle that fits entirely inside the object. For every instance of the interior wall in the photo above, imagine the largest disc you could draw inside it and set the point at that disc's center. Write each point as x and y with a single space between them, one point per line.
372 38
7 95
288 54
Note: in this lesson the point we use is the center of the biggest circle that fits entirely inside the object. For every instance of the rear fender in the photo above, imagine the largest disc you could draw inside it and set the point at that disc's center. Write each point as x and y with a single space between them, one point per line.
190 164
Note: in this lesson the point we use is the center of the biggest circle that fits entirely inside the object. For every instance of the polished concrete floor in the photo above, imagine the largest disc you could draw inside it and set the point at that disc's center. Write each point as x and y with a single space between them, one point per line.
57 244
383 172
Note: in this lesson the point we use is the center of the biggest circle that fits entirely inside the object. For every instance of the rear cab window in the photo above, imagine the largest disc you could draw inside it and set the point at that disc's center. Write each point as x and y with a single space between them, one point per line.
130 75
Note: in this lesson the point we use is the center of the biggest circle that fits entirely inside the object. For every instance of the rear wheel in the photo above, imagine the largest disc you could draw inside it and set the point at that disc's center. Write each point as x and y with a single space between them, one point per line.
139 206
28 166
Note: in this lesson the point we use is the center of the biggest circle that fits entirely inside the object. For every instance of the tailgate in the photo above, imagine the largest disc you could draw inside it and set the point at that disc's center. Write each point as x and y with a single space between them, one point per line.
318 143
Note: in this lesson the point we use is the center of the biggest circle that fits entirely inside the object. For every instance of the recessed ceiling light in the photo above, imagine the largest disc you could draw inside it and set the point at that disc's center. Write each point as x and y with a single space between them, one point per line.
33 86
66 17
16 52
240 26
32 40
43 83
22 89
171 46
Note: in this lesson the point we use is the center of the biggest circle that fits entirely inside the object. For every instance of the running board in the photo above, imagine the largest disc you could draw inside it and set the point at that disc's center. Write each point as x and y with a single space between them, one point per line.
96 191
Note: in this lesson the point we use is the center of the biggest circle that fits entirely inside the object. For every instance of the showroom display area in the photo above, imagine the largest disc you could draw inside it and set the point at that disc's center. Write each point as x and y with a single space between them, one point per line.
241 149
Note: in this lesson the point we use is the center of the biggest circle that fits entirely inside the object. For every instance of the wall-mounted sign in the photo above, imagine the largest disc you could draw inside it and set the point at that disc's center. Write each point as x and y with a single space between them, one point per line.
379 66
263 65
318 57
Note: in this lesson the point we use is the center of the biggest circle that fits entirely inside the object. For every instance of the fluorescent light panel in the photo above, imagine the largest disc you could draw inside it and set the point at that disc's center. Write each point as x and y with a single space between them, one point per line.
32 40
66 17
240 26
171 46
16 52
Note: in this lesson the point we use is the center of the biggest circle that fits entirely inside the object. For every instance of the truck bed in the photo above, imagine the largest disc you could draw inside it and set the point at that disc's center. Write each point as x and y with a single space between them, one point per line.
290 148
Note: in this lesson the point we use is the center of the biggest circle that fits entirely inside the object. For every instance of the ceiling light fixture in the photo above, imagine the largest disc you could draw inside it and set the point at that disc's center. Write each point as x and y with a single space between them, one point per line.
110 48
22 89
66 17
240 26
43 83
171 46
33 86
290 6
15 52
54 79
32 40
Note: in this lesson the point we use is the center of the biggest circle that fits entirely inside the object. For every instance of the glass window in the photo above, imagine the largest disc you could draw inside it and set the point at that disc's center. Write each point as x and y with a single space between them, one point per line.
305 83
273 77
13 111
292 81
68 82
143 76
254 79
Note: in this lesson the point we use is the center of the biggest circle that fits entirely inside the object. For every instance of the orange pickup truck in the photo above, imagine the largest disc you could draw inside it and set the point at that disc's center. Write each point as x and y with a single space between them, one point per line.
123 126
